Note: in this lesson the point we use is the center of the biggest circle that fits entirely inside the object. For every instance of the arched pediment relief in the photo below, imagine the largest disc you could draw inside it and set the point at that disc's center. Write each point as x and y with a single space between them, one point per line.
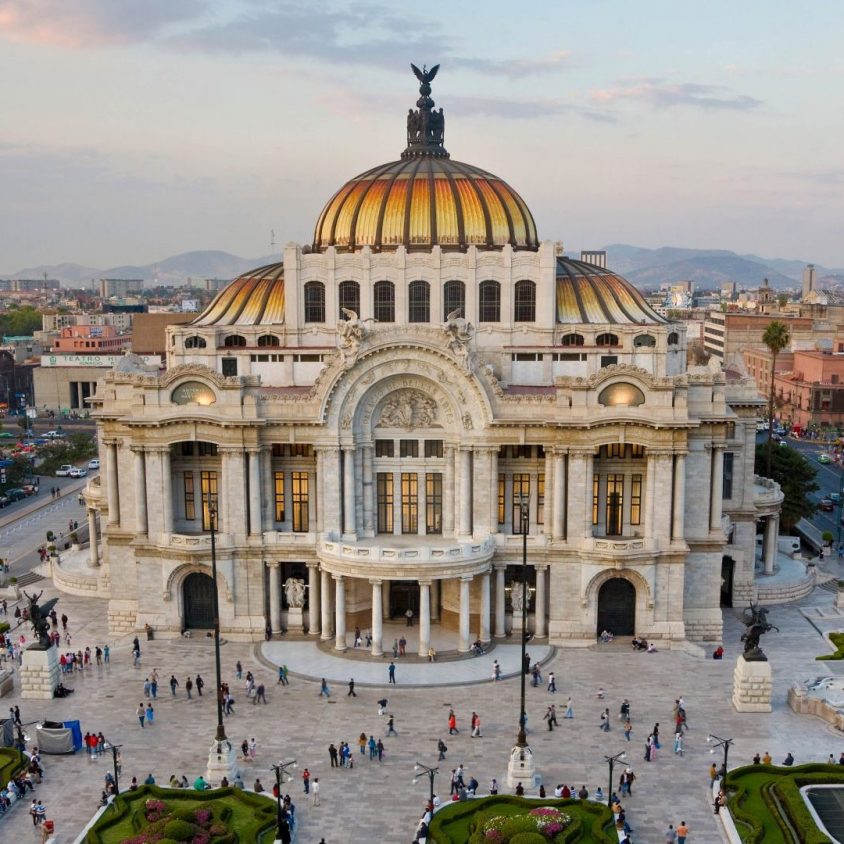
407 409
187 371
644 593
173 580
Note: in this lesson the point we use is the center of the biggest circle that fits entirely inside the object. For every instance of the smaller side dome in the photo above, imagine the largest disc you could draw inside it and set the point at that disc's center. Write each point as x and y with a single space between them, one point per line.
256 298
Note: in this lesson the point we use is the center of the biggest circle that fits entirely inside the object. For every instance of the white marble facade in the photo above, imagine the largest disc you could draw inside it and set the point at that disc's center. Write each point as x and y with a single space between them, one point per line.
382 463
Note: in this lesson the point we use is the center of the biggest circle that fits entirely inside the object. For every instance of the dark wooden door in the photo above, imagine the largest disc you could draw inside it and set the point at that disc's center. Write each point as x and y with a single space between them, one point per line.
403 595
617 607
198 593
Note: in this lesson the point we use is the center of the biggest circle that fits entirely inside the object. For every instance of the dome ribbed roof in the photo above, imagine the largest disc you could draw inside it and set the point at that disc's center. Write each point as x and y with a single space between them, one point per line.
587 294
255 298
422 201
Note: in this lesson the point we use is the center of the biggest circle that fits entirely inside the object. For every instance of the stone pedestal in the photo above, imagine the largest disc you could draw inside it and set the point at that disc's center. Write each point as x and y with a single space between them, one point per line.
521 768
839 598
295 620
39 673
222 762
752 685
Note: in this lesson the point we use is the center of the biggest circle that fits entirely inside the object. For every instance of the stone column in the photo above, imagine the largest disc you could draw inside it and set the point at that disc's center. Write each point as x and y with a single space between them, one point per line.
331 511
111 480
679 514
500 630
167 491
559 497
424 617
465 525
463 643
588 475
320 489
268 482
650 497
339 612
484 625
717 488
448 491
94 557
435 600
385 599
275 596
314 599
539 600
421 504
325 604
771 531
368 492
254 491
662 495
349 492
492 454
377 619
141 520
548 503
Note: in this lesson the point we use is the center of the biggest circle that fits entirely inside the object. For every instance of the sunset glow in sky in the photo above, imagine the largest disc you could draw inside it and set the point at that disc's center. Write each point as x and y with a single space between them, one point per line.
136 129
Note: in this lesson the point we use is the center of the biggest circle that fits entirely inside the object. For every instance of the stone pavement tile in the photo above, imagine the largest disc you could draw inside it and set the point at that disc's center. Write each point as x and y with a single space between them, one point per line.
380 801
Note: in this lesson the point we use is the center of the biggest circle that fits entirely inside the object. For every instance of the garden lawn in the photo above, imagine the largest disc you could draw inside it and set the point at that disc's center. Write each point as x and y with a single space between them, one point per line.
11 761
251 816
837 639
591 822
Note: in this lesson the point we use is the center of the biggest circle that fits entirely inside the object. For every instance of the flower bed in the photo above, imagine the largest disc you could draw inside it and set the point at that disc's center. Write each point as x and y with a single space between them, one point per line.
153 815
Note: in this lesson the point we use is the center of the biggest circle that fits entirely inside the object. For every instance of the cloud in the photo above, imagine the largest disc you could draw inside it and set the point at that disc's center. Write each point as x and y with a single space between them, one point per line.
662 94
523 109
84 23
516 68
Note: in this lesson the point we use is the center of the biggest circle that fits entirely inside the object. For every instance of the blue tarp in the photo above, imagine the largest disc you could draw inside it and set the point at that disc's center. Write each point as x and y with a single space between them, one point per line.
76 732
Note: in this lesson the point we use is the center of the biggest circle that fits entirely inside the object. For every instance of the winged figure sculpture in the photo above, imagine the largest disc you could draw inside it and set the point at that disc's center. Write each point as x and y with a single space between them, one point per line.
425 76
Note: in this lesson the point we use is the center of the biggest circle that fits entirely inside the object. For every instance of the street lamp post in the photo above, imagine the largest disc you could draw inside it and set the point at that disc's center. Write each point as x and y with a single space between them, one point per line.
114 748
840 508
716 742
221 730
279 768
419 768
611 760
524 524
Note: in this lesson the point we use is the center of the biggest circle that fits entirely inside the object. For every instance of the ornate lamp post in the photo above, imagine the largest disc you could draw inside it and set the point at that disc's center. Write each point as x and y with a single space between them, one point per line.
221 758
611 760
115 748
522 767
716 742
279 768
419 768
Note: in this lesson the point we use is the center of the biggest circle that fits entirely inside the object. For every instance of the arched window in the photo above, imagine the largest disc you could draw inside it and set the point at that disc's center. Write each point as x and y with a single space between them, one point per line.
454 298
525 305
268 340
419 302
673 339
489 302
314 301
385 301
234 340
644 340
348 296
195 342
572 340
606 340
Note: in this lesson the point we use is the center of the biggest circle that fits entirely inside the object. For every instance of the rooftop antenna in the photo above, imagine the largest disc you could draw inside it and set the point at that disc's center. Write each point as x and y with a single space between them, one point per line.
272 240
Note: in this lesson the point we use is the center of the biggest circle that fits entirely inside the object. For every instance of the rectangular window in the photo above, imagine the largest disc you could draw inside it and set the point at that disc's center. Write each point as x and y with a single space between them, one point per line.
521 489
502 480
208 489
190 502
433 448
384 448
729 459
300 502
596 489
433 502
384 486
608 360
409 503
229 367
207 449
636 500
279 496
540 498
408 448
615 504
637 451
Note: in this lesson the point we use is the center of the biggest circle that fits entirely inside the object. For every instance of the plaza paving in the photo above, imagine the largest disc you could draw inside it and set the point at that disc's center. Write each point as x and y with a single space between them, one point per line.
381 799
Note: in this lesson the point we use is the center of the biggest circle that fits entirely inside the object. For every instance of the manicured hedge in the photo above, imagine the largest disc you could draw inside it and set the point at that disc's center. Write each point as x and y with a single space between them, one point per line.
11 761
837 639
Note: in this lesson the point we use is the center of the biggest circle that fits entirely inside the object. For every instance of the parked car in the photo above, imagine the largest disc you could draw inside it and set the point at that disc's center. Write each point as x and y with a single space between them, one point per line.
6 435
826 505
30 488
64 470
835 497
823 458
15 494
4 500
54 435
94 464
77 472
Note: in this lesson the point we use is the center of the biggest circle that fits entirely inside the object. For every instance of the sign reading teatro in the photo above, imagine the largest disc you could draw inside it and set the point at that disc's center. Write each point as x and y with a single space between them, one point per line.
105 361
193 392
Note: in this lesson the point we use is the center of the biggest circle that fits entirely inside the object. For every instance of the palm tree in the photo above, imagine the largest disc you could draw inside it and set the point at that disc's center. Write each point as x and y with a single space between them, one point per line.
776 338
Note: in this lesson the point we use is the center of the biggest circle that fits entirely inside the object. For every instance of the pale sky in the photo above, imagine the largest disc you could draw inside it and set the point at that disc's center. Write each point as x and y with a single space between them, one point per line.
131 130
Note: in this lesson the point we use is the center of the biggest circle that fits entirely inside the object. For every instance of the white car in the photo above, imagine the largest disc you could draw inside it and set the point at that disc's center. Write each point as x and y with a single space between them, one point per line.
77 472
65 470
54 435
94 464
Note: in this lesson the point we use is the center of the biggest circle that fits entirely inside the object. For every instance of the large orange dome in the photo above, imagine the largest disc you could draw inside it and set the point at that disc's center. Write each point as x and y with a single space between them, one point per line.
425 199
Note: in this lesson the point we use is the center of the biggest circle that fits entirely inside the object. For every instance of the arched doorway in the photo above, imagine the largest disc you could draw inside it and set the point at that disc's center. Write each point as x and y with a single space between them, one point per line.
728 570
404 596
617 607
198 597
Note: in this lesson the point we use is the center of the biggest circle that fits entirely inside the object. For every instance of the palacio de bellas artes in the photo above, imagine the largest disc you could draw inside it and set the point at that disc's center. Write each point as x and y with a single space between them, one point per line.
370 423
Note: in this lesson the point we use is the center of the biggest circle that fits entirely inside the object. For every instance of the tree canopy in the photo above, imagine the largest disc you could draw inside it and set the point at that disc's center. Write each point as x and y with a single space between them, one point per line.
20 322
796 476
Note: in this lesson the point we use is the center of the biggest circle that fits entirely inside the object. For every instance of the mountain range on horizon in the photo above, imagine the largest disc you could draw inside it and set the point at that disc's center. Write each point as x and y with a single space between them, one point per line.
645 268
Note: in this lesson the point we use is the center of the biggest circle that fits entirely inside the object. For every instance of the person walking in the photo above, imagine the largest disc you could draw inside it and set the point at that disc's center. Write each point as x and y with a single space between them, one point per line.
391 727
332 755
323 689
452 723
441 750
306 780
391 672
316 791
476 725
569 709
552 685
141 713
174 683
106 654
189 688
547 717
628 728
238 670
496 670
678 743
605 720
682 833
200 684
150 713
260 694
670 835
351 688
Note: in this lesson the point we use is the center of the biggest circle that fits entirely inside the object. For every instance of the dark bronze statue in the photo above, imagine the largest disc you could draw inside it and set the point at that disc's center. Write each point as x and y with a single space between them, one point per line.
425 125
39 618
756 621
